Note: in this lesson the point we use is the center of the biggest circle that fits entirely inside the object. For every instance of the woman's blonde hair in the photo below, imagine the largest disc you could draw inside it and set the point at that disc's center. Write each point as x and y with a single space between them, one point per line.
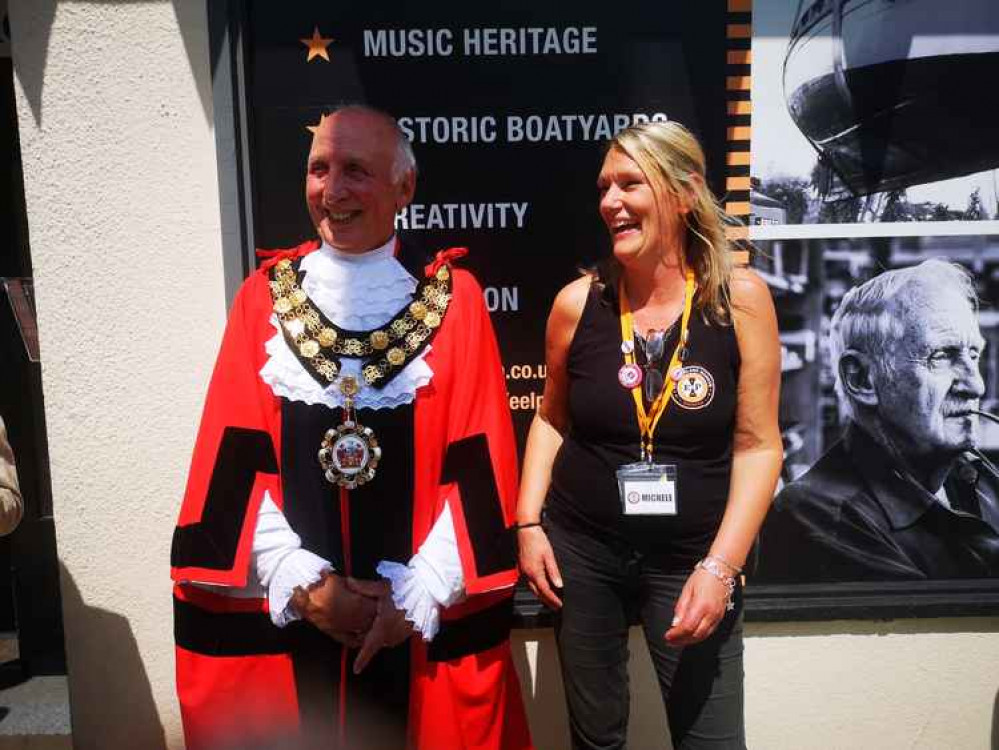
673 162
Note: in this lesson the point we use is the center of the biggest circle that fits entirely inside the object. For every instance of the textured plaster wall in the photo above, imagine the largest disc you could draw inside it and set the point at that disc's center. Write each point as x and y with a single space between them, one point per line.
115 119
900 685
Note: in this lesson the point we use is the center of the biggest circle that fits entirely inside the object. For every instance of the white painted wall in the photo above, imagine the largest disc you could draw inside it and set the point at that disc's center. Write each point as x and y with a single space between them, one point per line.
116 128
114 110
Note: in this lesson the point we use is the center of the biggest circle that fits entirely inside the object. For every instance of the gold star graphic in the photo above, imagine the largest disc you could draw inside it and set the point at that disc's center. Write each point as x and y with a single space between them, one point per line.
317 45
313 128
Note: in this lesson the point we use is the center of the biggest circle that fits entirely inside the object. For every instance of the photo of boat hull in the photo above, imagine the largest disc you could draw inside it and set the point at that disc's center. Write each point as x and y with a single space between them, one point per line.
895 93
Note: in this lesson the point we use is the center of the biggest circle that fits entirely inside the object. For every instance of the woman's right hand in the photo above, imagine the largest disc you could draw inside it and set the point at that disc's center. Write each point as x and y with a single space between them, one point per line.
544 440
537 561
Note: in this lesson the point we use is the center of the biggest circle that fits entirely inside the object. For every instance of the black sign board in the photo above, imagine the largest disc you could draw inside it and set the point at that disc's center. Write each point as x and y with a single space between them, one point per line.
507 106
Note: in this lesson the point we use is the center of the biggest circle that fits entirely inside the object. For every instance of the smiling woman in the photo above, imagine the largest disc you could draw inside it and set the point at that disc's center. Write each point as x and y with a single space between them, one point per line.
662 200
655 451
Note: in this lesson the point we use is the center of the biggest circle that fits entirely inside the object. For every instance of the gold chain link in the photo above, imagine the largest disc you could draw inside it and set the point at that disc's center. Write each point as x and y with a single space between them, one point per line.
400 338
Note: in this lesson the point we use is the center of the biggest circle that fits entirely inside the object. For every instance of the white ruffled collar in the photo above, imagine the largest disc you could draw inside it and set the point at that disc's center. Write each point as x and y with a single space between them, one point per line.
358 293
378 255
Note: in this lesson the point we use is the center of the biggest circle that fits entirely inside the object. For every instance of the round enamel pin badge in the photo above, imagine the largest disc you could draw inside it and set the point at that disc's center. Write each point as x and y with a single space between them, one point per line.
629 376
695 388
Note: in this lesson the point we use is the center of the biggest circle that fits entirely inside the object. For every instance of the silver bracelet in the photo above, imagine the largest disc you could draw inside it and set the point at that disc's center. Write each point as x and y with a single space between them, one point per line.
735 570
714 567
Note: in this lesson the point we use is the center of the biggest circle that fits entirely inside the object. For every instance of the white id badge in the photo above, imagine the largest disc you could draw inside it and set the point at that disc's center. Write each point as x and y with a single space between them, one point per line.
647 489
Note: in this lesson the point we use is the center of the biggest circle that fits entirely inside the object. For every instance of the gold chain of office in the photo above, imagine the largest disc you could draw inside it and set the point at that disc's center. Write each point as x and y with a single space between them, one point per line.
318 341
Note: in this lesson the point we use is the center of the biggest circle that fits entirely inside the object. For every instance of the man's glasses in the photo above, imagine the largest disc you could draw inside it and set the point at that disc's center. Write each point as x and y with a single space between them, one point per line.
653 345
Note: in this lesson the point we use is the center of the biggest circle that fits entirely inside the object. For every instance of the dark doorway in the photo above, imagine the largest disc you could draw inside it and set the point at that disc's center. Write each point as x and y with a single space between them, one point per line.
29 573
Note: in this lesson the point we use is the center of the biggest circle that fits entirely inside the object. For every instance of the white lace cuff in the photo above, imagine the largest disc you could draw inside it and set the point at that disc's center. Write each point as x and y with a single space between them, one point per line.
412 597
438 563
433 578
297 568
280 562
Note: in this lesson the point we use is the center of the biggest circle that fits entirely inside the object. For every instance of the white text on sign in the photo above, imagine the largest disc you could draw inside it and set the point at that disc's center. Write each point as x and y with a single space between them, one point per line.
481 42
503 215
521 129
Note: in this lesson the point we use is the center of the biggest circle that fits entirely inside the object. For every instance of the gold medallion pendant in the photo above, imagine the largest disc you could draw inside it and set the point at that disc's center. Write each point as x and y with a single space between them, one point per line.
349 453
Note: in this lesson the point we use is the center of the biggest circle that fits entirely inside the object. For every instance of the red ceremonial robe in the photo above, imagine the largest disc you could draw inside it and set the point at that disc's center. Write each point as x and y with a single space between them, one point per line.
244 683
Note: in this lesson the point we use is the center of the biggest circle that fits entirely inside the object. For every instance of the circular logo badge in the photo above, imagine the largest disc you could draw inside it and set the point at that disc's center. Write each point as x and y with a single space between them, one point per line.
633 497
695 388
629 376
350 454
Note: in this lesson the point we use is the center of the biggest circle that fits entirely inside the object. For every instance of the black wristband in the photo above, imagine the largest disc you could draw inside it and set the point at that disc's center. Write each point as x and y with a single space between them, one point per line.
519 526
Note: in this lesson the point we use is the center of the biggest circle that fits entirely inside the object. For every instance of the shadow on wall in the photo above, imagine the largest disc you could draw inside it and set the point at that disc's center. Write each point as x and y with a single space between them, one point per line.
31 49
544 696
122 713
541 686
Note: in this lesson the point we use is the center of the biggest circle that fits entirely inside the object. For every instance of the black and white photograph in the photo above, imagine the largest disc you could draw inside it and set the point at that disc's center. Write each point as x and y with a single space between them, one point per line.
874 111
889 406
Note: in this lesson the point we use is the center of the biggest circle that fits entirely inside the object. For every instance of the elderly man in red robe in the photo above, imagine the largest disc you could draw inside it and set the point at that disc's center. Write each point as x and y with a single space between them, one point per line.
342 563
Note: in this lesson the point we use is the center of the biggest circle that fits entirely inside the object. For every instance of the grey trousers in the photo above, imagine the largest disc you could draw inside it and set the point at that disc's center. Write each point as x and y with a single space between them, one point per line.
605 589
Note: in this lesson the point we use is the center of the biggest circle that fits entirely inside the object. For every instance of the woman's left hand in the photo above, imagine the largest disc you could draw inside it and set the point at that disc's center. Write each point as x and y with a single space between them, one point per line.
699 609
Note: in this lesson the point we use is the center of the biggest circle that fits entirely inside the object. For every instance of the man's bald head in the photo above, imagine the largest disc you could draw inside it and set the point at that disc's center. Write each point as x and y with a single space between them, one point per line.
405 159
360 173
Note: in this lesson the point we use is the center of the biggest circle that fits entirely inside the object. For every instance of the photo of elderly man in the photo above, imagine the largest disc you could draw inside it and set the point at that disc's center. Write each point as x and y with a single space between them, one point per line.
905 493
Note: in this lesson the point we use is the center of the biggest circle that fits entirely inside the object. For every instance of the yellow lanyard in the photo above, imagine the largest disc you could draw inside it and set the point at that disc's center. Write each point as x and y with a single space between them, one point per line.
647 421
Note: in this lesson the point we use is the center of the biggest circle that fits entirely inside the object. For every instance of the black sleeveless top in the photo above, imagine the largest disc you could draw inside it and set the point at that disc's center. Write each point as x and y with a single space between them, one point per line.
695 434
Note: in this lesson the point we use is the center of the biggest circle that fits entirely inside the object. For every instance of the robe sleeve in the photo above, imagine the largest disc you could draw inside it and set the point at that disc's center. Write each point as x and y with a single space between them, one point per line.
235 459
477 470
